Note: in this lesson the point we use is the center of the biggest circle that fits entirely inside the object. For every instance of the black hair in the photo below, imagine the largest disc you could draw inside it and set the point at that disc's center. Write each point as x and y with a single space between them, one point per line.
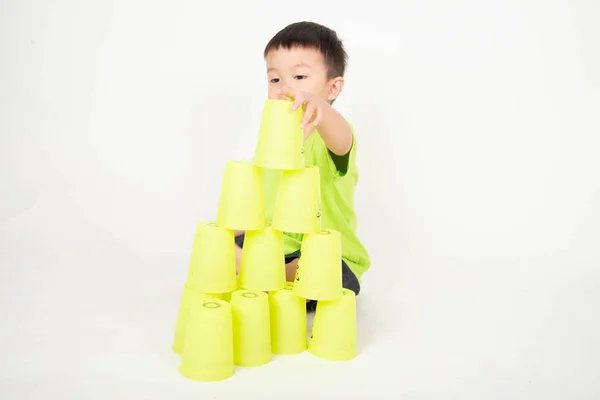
313 36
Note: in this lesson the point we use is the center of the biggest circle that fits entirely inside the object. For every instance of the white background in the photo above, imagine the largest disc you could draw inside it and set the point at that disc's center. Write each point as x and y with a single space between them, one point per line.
479 196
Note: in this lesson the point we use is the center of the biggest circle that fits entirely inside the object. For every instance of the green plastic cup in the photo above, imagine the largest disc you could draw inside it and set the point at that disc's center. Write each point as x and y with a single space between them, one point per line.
208 347
334 329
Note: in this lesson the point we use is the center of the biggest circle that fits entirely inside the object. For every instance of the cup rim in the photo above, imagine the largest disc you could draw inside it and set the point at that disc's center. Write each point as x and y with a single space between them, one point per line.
211 304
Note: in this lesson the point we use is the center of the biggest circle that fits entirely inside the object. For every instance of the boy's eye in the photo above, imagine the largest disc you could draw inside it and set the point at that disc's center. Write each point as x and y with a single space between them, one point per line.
300 77
274 80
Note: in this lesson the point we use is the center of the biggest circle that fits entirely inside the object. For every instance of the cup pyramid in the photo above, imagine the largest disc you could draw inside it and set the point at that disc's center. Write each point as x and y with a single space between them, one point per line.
227 321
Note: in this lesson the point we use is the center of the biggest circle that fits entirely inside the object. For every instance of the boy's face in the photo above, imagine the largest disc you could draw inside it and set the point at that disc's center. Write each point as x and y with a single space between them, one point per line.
301 69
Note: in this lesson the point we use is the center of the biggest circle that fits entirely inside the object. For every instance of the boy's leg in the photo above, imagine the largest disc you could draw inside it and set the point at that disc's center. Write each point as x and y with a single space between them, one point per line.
239 243
291 264
239 240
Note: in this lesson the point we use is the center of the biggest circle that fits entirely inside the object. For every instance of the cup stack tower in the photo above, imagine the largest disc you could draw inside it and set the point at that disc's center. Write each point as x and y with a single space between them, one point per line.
226 320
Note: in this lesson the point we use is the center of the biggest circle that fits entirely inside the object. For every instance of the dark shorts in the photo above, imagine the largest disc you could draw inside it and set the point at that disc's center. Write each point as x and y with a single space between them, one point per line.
349 280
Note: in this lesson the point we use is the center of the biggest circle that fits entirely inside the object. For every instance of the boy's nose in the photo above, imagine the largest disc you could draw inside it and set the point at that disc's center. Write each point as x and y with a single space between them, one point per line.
291 83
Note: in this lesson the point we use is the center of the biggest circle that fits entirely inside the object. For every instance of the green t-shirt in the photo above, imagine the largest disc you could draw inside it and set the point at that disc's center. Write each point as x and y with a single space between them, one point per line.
339 176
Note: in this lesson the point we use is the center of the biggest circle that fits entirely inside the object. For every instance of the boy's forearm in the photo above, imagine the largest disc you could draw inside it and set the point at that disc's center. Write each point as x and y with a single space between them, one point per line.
335 131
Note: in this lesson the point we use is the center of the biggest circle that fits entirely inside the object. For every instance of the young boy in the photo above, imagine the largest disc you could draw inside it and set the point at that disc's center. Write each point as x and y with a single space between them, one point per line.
306 64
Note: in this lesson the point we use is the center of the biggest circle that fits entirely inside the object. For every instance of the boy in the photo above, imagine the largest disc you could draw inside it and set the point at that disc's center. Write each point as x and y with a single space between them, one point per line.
306 64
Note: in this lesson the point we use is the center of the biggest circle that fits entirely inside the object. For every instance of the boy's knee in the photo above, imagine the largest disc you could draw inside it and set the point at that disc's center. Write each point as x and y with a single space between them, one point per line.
239 240
349 279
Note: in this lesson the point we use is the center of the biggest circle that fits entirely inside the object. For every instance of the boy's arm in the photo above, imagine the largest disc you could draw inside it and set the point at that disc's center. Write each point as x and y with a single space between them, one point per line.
333 128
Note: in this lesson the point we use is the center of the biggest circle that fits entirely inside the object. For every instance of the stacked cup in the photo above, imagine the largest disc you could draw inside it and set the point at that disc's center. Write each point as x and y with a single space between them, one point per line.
241 201
280 142
208 351
252 335
288 321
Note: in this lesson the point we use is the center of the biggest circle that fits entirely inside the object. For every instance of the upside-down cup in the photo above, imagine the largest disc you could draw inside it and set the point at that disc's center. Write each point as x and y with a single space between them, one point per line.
288 321
280 143
334 329
212 265
189 299
241 200
208 346
319 269
251 328
298 203
262 266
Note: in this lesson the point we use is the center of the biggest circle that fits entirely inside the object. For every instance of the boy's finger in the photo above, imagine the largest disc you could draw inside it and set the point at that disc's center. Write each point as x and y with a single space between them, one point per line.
308 114
317 119
298 100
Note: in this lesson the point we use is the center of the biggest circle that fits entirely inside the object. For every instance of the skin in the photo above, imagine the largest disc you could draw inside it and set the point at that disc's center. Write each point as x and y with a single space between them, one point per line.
300 75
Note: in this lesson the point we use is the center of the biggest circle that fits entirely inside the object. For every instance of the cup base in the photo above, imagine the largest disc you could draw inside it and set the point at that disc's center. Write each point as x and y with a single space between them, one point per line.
280 352
331 357
208 377
252 364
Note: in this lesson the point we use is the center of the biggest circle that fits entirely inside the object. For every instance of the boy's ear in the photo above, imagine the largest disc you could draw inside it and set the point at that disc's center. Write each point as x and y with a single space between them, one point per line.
336 85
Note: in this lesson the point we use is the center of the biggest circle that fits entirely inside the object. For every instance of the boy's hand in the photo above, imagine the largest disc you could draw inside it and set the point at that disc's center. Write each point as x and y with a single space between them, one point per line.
312 106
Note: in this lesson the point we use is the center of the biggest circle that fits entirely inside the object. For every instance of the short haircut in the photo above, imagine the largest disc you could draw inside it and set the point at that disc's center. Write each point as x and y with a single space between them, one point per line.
313 36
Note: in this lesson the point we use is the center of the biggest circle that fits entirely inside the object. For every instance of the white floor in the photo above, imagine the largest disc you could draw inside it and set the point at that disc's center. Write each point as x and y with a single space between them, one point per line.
84 326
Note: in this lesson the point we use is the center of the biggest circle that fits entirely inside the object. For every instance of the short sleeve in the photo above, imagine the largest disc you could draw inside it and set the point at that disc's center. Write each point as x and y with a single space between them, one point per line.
339 166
